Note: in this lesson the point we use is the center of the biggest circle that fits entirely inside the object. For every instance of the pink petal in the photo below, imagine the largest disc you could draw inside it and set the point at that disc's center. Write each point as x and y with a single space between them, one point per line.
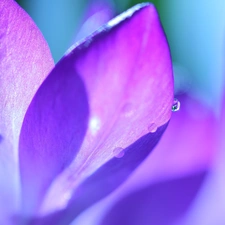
25 60
126 70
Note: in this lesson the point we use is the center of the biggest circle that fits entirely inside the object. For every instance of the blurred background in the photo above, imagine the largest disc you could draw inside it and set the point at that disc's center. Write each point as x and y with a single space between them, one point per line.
195 31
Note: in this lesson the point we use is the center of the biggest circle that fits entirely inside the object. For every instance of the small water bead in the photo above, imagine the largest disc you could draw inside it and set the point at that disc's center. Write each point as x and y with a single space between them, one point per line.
176 105
152 128
118 152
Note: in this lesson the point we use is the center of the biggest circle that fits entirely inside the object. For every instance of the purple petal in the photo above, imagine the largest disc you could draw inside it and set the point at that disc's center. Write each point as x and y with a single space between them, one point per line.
126 69
162 203
127 73
25 60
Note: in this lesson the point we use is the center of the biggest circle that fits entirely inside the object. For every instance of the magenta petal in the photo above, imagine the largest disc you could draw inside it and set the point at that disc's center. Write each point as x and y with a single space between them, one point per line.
127 73
25 60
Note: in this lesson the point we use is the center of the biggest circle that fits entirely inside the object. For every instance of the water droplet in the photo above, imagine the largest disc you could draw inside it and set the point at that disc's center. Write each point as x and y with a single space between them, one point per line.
152 128
118 152
176 105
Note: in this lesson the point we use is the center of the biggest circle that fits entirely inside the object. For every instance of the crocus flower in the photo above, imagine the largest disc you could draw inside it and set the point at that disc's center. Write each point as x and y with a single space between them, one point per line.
72 136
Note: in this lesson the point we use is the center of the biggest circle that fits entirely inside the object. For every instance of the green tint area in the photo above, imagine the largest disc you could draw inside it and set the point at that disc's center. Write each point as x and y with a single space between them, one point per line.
159 4
125 4
134 2
19 1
